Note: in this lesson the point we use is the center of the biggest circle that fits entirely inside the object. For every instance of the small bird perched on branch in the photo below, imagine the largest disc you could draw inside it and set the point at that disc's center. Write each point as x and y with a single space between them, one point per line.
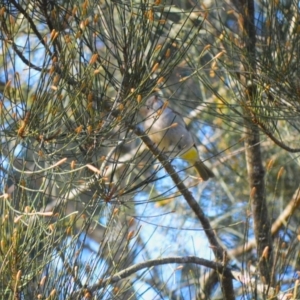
167 129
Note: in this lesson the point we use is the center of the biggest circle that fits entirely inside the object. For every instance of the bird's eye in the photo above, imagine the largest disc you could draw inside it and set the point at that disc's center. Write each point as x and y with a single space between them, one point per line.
148 107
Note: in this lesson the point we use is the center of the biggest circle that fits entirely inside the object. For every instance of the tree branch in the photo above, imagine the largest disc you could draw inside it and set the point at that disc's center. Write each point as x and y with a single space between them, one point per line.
220 253
262 227
155 262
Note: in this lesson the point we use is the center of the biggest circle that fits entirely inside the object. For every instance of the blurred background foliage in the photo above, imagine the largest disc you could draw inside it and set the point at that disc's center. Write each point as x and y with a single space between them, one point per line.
83 199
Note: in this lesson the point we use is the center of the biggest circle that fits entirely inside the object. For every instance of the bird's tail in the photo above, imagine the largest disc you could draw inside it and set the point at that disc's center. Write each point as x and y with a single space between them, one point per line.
204 172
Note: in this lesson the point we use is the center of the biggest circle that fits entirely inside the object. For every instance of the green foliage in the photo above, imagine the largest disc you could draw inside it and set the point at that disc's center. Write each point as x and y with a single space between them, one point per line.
84 203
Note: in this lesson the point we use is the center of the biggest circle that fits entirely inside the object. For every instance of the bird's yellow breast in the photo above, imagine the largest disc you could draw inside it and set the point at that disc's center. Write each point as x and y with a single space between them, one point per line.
191 155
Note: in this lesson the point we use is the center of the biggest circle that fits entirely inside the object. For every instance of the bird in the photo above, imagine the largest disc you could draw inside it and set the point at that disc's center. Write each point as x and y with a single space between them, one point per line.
167 129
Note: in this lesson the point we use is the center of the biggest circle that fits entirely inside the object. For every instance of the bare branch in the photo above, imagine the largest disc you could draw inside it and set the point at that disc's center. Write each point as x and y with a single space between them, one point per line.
155 262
